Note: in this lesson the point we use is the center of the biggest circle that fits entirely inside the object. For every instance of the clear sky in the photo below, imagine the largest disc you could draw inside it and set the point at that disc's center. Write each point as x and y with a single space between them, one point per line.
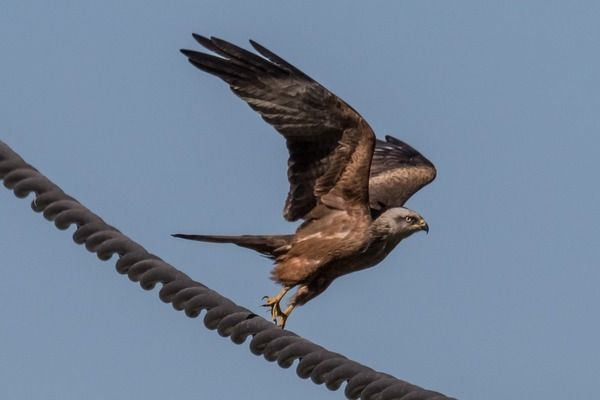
499 301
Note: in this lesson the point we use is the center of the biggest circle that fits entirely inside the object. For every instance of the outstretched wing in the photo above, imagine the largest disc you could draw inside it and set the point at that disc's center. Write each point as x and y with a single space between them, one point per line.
330 145
397 172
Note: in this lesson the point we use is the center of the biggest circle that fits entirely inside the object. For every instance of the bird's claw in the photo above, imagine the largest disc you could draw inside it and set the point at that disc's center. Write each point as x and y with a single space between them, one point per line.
278 316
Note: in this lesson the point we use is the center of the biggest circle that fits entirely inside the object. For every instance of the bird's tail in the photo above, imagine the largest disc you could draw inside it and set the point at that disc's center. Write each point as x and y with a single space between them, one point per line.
270 245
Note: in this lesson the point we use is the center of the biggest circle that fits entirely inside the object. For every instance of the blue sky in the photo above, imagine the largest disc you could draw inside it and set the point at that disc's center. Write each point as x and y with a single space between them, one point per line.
500 298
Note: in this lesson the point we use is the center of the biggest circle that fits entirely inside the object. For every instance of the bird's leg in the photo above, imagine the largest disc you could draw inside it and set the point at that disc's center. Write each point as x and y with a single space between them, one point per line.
305 293
274 301
284 315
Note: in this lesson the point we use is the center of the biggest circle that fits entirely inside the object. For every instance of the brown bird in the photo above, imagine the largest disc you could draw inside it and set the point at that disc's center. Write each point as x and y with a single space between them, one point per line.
347 186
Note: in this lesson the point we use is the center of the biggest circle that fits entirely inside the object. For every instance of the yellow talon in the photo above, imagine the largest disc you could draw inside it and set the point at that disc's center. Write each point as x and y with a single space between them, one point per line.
273 303
284 315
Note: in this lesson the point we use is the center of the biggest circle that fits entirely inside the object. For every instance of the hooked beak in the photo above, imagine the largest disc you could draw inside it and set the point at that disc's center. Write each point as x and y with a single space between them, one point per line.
423 225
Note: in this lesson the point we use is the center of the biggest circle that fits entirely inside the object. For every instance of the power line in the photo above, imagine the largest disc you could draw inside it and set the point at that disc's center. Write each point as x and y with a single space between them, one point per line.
222 314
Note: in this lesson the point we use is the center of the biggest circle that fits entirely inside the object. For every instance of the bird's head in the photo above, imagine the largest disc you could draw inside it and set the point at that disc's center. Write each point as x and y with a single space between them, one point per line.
400 222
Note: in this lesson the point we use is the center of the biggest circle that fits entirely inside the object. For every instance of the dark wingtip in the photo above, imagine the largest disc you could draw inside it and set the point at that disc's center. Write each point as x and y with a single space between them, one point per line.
404 153
266 53
200 39
393 140
208 43
405 147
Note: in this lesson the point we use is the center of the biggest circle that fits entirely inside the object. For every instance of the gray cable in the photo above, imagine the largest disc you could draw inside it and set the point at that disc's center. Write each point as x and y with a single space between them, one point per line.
229 319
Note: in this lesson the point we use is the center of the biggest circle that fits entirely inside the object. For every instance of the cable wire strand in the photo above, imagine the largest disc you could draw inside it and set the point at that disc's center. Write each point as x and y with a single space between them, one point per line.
223 315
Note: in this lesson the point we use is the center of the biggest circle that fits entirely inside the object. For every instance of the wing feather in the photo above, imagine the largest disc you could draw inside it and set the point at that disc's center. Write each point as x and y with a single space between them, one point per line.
397 172
330 145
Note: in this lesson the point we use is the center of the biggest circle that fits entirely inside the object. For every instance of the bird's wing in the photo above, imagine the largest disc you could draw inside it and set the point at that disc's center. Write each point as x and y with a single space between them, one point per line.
330 145
397 172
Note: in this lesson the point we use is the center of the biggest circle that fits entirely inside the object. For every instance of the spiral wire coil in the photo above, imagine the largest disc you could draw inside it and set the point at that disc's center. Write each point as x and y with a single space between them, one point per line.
229 319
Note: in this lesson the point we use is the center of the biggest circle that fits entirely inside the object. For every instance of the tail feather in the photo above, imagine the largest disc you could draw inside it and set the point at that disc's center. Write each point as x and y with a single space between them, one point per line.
270 245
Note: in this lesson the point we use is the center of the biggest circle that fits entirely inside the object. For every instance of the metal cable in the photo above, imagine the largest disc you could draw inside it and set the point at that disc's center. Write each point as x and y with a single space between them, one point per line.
229 319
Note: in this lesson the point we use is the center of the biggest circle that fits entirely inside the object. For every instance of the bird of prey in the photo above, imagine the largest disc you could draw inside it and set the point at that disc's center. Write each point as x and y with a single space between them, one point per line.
347 186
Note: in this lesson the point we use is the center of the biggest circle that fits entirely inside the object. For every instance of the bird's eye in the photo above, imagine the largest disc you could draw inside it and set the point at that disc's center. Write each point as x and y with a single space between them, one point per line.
409 219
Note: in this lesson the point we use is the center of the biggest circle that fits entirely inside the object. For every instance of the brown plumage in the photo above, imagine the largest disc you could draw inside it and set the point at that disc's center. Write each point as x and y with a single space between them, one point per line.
347 186
397 172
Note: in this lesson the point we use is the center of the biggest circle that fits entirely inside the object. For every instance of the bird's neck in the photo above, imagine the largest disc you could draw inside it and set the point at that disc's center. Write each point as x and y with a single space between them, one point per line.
383 231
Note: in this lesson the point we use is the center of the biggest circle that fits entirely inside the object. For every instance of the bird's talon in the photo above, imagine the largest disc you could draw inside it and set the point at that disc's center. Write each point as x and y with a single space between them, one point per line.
277 315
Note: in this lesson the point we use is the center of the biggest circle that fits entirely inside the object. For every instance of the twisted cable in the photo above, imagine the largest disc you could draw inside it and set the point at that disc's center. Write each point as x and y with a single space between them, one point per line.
223 315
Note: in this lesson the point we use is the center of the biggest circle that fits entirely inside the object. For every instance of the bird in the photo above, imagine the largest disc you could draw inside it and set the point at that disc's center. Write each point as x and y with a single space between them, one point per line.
347 187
